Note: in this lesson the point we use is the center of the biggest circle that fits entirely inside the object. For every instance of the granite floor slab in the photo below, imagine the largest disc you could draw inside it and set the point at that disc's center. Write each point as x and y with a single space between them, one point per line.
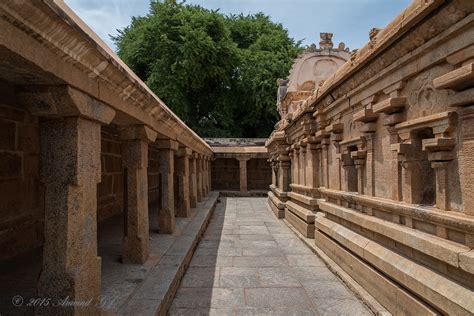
250 263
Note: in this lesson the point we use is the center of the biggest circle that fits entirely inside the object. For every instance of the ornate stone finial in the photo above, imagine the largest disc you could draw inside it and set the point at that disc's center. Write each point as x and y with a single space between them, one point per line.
373 32
326 41
311 48
341 46
353 54
282 89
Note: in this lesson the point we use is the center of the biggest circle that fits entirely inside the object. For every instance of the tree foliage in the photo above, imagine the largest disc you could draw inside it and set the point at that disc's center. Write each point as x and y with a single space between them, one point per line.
216 72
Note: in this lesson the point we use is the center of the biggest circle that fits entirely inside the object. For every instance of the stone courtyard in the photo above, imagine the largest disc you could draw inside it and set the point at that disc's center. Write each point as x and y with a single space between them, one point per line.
249 263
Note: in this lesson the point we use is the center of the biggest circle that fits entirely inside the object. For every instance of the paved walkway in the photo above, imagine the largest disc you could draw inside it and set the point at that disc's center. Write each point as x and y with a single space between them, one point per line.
250 263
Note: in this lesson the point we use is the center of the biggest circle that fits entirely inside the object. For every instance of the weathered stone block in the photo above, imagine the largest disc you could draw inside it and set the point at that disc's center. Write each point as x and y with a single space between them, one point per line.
304 228
31 166
28 139
12 114
10 165
7 135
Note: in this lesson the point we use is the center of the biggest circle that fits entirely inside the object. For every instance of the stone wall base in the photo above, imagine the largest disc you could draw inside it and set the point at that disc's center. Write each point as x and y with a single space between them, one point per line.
256 193
386 292
301 218
392 266
403 268
276 205
301 226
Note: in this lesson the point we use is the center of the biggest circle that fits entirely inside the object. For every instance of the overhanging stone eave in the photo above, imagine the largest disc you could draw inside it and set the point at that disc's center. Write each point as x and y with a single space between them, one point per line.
406 20
241 152
97 62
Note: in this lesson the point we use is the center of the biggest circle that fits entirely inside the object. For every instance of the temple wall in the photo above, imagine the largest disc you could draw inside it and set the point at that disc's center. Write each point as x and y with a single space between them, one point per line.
110 189
225 174
259 174
21 195
386 142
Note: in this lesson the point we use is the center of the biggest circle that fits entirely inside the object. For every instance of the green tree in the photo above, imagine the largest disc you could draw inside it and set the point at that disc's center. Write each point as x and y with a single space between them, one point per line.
218 73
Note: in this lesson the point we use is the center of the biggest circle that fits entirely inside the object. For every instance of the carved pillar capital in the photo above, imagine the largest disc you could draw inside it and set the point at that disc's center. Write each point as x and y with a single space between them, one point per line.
64 101
167 144
138 132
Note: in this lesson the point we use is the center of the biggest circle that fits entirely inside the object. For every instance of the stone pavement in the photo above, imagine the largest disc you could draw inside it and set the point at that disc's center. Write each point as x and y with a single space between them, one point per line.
250 263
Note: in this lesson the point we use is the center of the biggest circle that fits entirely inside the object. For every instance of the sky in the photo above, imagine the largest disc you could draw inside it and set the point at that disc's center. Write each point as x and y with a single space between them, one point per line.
349 20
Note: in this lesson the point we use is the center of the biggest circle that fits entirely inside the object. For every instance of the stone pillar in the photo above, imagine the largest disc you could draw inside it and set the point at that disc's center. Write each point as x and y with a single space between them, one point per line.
339 164
296 166
395 167
182 171
205 175
359 161
284 175
166 216
442 190
319 153
325 153
466 163
243 173
312 166
370 164
302 165
70 143
210 173
208 178
204 172
193 193
347 170
199 177
291 155
274 166
70 170
135 163
409 190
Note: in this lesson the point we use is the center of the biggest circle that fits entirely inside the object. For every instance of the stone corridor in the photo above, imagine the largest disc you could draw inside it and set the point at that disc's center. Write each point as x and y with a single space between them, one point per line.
250 263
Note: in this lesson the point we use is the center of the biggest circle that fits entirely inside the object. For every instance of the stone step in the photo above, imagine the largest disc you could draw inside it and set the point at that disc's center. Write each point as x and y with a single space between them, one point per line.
277 207
310 201
303 213
303 227
393 297
276 201
437 290
454 254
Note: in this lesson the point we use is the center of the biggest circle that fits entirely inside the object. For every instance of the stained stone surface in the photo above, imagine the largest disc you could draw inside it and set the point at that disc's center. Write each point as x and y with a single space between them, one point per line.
250 263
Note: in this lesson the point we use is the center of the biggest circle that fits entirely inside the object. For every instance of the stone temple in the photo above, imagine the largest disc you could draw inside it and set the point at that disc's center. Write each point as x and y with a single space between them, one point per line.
360 202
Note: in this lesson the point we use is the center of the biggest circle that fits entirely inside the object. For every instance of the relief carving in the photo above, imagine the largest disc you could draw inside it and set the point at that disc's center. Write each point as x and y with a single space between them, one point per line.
423 98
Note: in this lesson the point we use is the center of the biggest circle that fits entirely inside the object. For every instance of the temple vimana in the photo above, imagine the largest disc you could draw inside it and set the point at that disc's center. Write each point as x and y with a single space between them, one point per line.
360 202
